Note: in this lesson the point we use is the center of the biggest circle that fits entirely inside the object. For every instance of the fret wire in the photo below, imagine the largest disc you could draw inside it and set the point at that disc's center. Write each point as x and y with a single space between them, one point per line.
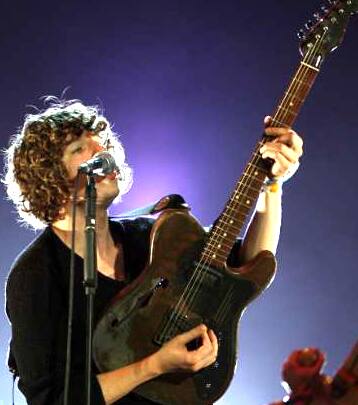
227 231
303 82
250 190
299 89
223 240
211 257
300 100
288 102
255 179
288 110
288 94
225 216
275 120
250 195
253 165
230 238
293 83
212 253
239 192
248 178
233 229
223 250
222 244
250 187
240 216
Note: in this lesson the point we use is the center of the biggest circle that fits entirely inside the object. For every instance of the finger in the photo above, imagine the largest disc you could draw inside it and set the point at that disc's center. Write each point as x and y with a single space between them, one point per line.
291 139
211 345
267 121
206 348
192 334
206 342
277 131
204 362
280 166
280 148
214 341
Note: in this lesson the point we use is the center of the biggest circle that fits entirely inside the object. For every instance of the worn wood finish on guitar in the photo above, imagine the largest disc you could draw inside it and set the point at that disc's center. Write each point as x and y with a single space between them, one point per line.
135 325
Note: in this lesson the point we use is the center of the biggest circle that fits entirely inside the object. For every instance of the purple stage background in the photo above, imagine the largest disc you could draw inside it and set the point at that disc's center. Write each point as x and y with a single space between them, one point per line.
187 84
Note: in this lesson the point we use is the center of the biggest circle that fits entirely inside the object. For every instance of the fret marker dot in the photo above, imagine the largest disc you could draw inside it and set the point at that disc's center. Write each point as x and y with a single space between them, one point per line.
225 234
247 201
256 173
231 221
214 255
236 197
291 104
219 246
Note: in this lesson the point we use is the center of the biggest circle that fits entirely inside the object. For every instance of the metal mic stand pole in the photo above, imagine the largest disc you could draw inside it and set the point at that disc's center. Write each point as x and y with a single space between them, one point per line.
90 273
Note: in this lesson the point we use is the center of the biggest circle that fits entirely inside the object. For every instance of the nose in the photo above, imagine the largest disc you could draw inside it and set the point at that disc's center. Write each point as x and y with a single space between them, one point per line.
96 146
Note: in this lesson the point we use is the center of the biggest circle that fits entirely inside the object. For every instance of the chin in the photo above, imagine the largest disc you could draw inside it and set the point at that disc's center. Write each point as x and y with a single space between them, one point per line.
107 192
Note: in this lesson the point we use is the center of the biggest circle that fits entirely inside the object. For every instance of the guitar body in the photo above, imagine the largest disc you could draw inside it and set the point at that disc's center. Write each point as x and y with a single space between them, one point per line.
147 315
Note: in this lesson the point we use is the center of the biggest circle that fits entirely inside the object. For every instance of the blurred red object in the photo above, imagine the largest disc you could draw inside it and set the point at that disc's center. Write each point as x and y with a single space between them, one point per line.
305 383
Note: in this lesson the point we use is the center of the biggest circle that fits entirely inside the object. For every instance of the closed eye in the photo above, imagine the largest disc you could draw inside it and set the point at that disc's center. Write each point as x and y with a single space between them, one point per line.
79 149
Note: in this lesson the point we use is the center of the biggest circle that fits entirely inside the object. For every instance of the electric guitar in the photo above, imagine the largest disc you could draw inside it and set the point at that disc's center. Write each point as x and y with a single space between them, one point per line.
187 280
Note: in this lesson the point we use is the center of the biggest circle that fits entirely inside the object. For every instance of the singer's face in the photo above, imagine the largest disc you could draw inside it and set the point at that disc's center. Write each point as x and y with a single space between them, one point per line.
81 150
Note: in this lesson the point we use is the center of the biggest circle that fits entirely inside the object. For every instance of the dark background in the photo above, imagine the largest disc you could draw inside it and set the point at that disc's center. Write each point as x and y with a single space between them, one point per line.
187 84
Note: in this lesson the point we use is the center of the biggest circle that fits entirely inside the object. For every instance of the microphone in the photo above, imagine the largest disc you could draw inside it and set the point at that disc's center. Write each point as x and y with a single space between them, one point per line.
101 163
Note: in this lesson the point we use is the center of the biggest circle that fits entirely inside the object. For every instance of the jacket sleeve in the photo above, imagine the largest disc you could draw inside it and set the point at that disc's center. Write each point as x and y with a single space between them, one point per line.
37 314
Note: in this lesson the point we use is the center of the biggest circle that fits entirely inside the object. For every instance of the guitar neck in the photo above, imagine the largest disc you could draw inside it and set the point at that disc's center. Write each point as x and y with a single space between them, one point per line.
230 222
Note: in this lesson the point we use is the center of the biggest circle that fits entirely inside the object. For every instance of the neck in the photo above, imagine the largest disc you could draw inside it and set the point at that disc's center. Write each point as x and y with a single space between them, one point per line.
63 229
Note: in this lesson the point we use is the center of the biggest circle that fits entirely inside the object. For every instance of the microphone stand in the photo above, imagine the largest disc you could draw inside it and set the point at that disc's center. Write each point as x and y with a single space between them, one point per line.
90 273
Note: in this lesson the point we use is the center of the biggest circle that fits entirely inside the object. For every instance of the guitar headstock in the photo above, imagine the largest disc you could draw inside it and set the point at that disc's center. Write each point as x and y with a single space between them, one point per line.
326 33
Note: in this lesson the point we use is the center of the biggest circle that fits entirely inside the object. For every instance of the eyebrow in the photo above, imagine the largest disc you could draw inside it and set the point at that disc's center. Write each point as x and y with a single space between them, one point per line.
75 143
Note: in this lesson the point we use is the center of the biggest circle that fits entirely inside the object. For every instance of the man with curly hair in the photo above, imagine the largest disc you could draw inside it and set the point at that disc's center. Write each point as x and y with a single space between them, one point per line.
42 164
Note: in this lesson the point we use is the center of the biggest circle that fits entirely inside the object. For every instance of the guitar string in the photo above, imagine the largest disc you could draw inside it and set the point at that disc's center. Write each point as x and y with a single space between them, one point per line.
289 95
292 94
177 310
288 91
191 289
277 116
283 101
221 316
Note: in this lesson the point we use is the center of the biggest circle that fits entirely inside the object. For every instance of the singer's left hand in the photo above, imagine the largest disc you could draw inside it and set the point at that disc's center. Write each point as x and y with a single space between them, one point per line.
286 150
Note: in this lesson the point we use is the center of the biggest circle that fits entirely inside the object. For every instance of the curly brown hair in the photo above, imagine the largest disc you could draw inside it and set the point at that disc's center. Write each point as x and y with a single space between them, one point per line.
36 178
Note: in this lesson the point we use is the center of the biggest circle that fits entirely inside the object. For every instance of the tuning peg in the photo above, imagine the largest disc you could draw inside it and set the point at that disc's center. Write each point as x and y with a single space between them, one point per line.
317 16
324 9
309 24
301 34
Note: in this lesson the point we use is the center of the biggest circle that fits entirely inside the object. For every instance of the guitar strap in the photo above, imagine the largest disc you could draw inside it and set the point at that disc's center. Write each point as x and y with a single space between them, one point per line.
170 201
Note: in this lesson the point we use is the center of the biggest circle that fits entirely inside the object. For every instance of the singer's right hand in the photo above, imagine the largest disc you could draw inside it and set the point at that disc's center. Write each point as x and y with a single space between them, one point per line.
175 356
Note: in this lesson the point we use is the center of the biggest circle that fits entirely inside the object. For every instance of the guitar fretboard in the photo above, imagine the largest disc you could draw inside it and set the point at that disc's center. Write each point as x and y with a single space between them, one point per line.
229 224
